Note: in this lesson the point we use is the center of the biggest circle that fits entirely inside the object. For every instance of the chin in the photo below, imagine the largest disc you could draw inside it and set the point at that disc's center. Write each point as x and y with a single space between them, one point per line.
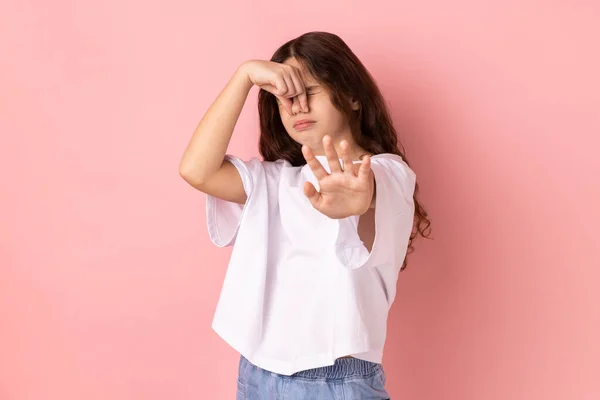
310 139
315 144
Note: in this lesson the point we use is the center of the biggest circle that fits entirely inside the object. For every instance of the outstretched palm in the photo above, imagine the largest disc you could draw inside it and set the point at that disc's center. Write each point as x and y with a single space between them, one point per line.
343 192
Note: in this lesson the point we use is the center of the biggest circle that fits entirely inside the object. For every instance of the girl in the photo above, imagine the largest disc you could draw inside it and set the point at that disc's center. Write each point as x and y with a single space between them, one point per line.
321 226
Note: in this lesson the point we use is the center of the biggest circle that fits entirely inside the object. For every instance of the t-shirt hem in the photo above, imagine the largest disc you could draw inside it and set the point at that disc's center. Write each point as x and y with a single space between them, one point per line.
314 361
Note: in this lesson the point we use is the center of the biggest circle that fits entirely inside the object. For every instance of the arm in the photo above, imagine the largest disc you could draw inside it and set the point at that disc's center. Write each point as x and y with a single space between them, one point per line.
202 164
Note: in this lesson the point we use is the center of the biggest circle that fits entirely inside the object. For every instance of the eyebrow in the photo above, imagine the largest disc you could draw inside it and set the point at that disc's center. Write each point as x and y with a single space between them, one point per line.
312 87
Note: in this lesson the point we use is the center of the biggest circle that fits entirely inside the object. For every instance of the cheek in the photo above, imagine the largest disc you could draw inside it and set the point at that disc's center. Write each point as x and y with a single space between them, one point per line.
285 117
327 113
286 120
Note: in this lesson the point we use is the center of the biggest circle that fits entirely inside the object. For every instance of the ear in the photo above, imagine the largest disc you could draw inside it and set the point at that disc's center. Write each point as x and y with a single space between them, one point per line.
355 104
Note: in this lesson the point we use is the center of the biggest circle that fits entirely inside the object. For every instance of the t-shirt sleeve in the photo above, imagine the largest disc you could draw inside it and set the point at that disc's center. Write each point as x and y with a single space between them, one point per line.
223 217
394 215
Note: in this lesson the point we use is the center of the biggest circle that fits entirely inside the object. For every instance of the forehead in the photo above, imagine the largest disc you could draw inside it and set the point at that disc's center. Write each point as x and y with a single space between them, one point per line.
304 73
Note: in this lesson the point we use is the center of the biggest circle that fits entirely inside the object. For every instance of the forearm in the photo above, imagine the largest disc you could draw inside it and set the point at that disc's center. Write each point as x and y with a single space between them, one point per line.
206 150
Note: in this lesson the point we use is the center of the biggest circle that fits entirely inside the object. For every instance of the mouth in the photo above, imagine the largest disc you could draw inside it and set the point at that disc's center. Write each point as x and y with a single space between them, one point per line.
303 124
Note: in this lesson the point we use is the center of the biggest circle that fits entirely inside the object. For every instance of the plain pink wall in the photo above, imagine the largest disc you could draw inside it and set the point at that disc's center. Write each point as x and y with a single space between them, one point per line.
108 281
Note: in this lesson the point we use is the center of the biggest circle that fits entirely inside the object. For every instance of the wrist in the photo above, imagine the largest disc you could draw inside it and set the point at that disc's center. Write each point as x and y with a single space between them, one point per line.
241 74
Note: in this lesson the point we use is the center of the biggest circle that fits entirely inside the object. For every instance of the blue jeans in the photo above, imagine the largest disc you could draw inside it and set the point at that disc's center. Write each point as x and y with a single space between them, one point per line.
348 379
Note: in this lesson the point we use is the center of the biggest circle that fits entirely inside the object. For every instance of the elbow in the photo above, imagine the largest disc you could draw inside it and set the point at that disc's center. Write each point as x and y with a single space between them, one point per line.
193 177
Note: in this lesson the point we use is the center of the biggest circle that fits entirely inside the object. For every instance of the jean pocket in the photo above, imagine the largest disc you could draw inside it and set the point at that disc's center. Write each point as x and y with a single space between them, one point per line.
241 391
240 385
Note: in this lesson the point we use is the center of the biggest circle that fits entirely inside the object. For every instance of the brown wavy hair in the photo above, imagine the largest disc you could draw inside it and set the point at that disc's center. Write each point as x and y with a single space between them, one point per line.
331 62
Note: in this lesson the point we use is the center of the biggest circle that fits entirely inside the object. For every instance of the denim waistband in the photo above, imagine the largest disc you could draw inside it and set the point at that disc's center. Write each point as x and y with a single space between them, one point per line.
342 369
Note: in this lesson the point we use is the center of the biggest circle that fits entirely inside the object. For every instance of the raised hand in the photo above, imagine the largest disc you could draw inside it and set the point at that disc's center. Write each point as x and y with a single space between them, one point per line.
345 191
282 80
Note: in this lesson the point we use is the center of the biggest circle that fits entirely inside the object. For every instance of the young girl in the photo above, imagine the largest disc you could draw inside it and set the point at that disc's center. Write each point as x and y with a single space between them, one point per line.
321 226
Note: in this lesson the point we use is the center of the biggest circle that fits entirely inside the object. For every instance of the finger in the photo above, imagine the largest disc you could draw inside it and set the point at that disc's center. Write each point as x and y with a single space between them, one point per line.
332 156
312 194
345 155
295 106
313 163
364 172
281 86
303 99
299 84
286 104
291 92
276 88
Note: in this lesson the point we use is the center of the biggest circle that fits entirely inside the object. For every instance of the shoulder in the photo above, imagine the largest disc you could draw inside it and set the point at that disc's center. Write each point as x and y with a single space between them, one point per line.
394 163
393 175
256 172
387 157
383 158
256 164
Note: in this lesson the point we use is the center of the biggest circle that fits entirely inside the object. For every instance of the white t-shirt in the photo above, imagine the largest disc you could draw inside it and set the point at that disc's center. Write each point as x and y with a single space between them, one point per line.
301 288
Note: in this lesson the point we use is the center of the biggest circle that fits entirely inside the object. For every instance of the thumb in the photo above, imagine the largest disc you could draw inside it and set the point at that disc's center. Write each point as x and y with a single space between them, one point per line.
287 104
312 194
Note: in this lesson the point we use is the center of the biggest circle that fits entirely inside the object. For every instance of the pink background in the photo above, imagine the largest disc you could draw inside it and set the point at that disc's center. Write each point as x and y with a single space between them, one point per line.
108 281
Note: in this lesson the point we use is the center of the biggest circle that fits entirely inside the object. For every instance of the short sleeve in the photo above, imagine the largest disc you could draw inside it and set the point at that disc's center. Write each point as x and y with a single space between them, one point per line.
223 217
394 215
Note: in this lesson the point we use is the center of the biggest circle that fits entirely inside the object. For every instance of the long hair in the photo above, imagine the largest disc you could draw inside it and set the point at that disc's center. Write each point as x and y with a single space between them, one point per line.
331 62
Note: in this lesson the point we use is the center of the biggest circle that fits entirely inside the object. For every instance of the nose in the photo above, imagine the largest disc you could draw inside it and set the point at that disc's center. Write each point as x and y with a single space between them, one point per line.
296 109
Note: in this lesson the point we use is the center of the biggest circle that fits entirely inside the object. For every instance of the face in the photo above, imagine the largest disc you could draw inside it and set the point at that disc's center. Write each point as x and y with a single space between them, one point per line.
323 117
